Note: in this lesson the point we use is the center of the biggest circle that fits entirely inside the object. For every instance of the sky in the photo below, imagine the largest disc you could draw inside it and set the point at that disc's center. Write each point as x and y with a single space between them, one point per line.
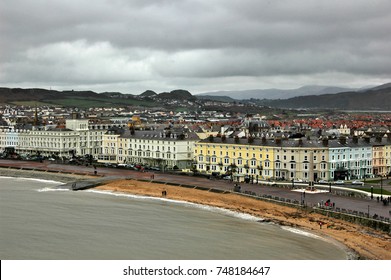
130 46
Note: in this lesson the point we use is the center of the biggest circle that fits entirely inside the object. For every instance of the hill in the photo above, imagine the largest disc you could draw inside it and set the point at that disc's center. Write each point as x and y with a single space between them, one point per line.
178 94
215 98
69 98
277 93
378 98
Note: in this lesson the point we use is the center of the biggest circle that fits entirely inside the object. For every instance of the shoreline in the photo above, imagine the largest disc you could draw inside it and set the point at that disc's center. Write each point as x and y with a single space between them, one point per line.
359 242
350 254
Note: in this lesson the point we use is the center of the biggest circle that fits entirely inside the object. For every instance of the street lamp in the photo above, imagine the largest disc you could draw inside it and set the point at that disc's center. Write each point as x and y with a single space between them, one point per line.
381 187
329 186
371 192
364 174
293 184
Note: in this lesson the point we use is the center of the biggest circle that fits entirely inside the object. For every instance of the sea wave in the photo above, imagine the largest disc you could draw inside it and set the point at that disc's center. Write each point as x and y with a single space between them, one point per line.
223 211
52 190
302 232
33 179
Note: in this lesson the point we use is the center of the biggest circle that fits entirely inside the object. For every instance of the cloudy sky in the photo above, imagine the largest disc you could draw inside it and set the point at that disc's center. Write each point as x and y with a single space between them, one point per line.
200 45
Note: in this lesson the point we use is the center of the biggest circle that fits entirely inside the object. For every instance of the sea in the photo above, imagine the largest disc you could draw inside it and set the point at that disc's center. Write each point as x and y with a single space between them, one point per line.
40 222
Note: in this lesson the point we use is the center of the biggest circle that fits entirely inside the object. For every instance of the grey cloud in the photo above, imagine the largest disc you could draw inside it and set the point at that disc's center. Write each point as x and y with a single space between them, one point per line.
182 41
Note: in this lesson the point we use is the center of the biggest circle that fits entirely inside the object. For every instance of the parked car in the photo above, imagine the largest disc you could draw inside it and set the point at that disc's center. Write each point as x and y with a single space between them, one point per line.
322 182
339 182
357 182
155 168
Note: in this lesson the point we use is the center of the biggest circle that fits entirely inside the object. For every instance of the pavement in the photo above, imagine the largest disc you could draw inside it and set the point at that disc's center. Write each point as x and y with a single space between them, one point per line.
310 199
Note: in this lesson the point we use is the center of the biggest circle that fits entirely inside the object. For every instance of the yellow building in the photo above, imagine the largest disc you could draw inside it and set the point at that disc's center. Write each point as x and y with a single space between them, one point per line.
263 159
239 158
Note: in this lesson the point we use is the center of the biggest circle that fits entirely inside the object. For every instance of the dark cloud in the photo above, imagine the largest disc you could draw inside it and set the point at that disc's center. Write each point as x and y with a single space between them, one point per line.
225 44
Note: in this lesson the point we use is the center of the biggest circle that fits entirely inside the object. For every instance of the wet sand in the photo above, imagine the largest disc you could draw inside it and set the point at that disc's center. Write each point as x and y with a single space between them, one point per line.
360 242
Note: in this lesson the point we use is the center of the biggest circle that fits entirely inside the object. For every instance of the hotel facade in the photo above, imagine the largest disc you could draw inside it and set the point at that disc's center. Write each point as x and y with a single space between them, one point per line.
293 159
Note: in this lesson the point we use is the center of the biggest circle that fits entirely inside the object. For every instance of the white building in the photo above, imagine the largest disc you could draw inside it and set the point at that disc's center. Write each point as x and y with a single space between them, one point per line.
166 149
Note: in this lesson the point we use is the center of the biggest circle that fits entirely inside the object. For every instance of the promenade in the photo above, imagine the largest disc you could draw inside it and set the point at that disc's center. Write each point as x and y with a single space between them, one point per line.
363 205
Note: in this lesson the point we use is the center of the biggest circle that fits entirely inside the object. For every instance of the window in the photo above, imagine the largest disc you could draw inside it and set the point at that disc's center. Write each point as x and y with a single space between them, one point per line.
293 165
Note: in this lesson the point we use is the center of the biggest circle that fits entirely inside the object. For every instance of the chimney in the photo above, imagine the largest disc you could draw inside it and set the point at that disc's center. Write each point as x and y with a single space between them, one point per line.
264 140
355 139
367 139
300 142
278 141
342 140
325 141
378 139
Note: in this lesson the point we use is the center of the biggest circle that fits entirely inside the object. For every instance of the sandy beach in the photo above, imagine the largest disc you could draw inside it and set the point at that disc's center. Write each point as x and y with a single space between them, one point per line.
359 241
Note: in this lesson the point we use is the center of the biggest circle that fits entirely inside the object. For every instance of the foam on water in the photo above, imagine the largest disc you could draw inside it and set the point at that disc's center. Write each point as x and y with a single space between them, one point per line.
223 211
303 232
46 189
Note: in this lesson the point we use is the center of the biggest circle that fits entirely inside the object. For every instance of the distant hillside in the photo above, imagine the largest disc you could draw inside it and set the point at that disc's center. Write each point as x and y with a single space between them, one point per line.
178 94
67 98
85 99
378 98
215 98
277 93
148 93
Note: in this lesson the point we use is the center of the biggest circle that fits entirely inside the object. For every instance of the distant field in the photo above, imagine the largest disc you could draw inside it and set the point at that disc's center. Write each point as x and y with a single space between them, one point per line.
31 103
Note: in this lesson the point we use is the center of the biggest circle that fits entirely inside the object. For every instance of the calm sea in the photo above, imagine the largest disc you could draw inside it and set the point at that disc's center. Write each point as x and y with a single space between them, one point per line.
37 222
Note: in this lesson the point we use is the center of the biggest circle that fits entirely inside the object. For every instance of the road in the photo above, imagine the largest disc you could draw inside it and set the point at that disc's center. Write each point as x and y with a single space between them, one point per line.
310 199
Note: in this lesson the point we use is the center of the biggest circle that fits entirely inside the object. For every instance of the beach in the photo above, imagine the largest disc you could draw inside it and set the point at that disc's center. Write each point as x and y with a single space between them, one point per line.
361 242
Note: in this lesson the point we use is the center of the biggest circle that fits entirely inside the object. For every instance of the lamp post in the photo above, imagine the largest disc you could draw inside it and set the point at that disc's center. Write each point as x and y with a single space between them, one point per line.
329 186
293 184
381 187
364 169
371 192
